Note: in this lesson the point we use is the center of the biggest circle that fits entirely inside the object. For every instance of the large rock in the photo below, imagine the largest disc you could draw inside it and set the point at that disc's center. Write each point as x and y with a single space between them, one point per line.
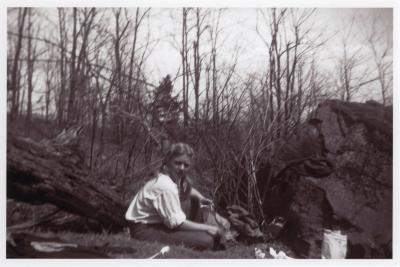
357 196
358 139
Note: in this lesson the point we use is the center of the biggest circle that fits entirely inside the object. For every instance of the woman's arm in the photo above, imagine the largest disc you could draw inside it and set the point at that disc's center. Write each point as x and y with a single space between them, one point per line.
198 195
195 193
194 226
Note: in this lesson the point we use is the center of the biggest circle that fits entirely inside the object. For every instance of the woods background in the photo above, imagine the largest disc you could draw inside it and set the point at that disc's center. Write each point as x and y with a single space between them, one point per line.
136 78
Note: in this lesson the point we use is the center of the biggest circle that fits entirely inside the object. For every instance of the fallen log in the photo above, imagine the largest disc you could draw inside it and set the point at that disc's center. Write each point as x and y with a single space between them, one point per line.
52 172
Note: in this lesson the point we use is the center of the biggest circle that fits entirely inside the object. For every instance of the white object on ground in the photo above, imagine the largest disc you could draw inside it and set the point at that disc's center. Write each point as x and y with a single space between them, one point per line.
279 255
163 251
258 253
51 246
334 245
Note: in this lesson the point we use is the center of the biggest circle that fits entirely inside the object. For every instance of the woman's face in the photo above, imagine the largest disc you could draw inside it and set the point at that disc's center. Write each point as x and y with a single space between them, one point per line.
179 166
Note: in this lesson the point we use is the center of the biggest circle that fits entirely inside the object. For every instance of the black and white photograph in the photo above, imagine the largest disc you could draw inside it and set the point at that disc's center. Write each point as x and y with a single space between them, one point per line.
199 132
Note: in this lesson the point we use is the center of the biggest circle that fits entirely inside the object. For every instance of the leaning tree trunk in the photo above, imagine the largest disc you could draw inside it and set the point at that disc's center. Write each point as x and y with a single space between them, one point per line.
51 172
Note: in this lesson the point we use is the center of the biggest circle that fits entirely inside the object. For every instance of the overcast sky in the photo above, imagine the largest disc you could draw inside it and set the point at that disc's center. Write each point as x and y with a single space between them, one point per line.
239 31
240 24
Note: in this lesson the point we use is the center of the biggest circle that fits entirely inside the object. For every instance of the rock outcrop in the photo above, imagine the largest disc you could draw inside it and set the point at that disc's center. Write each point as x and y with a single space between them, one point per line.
357 196
358 139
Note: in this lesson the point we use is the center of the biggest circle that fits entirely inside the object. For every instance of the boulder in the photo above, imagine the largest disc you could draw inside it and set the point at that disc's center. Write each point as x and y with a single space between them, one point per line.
356 197
358 139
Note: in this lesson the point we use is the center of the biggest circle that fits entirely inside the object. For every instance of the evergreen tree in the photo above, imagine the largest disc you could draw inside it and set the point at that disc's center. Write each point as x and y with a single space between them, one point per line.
166 109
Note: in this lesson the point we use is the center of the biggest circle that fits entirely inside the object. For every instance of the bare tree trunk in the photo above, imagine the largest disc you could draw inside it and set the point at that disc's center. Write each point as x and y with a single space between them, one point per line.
293 73
73 74
15 68
214 88
83 66
207 100
21 98
119 35
132 58
197 65
270 88
93 135
30 70
62 43
276 60
49 77
185 67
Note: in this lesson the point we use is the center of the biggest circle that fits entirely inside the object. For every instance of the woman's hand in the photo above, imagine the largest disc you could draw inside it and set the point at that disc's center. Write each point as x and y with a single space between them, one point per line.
203 200
206 201
213 230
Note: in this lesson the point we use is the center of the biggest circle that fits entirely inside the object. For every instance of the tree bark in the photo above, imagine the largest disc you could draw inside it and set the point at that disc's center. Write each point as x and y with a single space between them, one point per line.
73 72
184 54
46 172
63 59
30 69
197 65
16 68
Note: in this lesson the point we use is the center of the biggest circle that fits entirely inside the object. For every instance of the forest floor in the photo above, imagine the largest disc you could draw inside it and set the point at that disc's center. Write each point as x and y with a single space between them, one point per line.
143 249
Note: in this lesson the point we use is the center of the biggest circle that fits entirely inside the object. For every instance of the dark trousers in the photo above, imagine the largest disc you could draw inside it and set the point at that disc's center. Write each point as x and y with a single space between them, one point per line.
161 233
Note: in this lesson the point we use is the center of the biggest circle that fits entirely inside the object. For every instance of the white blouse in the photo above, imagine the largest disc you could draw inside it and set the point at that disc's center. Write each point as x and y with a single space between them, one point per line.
157 202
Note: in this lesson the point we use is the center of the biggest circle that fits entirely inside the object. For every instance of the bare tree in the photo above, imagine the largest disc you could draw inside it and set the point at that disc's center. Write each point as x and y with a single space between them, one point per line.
380 45
73 72
353 70
197 64
185 65
78 58
63 66
119 47
277 100
31 57
214 34
288 46
349 79
135 62
50 75
14 88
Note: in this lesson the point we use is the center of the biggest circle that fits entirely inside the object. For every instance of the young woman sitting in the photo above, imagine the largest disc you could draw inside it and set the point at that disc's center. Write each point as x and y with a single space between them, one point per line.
167 209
